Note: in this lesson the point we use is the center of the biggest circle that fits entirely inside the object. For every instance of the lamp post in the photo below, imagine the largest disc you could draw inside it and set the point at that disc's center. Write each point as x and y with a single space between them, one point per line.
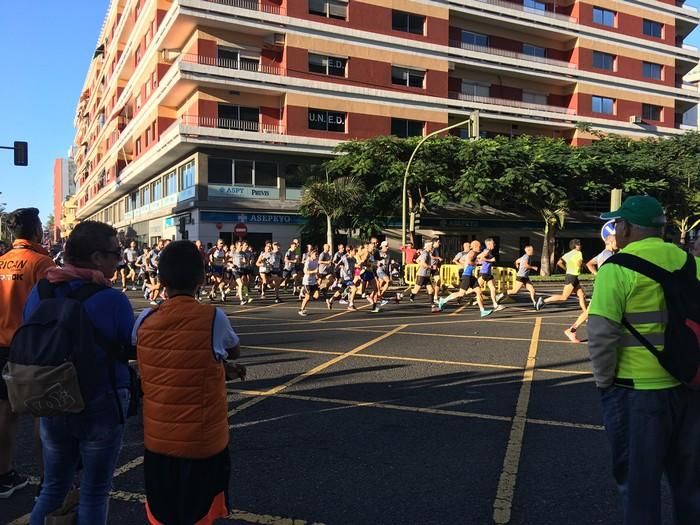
473 121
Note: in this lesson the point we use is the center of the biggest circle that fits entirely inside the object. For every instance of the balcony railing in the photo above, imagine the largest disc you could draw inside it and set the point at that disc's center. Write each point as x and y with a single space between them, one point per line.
243 65
521 7
232 124
253 5
511 54
510 103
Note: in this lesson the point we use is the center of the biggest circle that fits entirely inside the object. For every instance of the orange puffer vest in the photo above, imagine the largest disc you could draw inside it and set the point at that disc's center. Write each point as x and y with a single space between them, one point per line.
184 390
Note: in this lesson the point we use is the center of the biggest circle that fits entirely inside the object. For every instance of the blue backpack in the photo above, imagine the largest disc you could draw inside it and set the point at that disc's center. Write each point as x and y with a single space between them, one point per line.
51 369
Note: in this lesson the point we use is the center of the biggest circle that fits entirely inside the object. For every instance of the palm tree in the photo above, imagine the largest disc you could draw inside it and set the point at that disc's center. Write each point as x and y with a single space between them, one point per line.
332 198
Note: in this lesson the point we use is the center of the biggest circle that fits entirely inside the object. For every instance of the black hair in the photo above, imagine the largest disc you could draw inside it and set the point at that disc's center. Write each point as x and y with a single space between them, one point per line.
180 266
573 243
24 223
87 238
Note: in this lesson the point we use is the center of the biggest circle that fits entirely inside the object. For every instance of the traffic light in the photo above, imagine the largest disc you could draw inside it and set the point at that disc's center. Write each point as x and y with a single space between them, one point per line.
21 153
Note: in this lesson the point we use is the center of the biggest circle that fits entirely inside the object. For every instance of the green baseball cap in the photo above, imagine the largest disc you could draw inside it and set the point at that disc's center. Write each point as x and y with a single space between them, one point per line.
640 210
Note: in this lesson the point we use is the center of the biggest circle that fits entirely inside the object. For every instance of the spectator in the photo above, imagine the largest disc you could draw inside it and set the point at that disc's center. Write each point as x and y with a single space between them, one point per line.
409 252
93 437
181 348
652 420
20 269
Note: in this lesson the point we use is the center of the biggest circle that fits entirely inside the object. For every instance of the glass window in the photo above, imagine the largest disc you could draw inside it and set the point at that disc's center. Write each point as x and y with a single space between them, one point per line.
227 58
220 171
534 5
318 64
474 89
532 97
603 105
407 77
317 7
407 22
603 17
603 60
403 128
337 9
145 195
534 51
187 175
293 176
651 112
475 39
170 183
243 172
250 64
650 70
336 66
327 65
266 174
326 120
157 190
652 28
138 146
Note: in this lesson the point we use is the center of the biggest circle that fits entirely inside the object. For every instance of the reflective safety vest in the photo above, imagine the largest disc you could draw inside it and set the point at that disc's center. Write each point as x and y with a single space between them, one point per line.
620 292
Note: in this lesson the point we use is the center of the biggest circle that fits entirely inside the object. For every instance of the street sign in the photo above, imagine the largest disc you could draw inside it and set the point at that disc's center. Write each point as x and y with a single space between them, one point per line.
240 230
607 229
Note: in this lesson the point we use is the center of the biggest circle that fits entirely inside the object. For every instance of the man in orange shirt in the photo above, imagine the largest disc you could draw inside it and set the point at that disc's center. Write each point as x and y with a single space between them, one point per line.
21 268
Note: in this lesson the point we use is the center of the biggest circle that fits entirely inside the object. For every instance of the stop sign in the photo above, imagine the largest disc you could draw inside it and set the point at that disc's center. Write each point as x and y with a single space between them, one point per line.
240 229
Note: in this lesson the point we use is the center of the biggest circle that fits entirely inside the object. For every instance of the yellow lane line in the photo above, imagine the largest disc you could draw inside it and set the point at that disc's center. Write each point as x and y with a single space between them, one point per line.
493 337
461 308
506 485
315 370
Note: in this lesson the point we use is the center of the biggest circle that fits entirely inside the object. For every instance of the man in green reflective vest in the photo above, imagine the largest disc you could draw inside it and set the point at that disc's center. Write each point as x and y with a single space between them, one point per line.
652 421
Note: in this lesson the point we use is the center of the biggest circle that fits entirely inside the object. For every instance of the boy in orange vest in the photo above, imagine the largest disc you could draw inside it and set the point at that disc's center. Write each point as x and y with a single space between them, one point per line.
182 347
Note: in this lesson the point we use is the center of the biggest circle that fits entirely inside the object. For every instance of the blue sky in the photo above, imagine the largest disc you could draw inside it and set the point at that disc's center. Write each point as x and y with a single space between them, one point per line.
48 47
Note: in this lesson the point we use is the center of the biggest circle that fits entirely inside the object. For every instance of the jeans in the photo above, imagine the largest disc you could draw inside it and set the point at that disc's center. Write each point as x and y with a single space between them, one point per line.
92 439
651 433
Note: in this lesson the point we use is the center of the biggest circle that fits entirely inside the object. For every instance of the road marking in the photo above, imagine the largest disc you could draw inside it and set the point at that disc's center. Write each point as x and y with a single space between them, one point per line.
506 485
346 311
126 467
315 370
461 308
427 334
22 520
253 309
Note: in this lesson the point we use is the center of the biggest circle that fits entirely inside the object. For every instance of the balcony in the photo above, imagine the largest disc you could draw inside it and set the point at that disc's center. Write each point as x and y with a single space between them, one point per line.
243 65
511 54
520 7
510 103
253 5
232 124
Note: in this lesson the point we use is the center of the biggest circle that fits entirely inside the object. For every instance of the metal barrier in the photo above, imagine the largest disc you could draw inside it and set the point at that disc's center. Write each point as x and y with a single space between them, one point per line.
450 275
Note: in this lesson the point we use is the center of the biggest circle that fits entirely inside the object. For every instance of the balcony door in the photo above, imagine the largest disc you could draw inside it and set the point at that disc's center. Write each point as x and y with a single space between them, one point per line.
239 117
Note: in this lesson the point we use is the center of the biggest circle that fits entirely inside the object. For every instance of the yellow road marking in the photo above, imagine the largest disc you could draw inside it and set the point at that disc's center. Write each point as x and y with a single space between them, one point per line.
494 337
461 308
506 485
315 370
254 308
346 311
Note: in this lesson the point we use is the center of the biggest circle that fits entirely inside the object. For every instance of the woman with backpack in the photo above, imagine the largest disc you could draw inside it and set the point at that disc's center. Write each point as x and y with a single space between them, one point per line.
91 438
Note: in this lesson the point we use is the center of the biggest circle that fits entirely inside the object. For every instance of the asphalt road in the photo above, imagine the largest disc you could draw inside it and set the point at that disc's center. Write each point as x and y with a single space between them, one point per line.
401 417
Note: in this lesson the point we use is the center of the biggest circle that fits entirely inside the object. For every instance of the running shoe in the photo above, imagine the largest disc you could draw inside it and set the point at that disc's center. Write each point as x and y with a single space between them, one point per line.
352 307
384 302
329 304
10 483
572 336
250 300
540 304
303 313
376 309
154 303
243 303
486 313
223 296
343 301
500 297
434 309
146 293
278 300
441 303
133 288
499 308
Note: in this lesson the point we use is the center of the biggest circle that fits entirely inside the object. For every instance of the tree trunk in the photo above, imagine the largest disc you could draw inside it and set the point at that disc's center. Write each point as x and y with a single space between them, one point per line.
683 227
329 231
547 260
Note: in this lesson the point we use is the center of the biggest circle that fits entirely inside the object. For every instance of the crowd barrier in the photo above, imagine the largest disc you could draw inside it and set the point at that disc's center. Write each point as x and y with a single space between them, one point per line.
450 275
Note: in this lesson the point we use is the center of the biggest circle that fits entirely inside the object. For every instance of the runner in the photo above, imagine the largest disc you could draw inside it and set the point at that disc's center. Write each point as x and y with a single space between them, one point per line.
593 265
383 276
347 279
217 259
290 272
275 262
523 278
368 275
263 264
571 262
469 283
423 276
486 259
121 269
435 264
336 265
130 256
325 270
310 280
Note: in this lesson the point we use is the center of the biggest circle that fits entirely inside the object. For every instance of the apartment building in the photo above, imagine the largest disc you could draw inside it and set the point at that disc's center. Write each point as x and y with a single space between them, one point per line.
200 115
63 187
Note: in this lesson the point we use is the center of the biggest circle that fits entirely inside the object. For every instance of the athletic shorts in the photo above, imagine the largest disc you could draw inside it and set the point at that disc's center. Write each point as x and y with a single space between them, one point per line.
382 275
572 280
469 282
276 273
311 289
132 267
217 270
368 276
524 280
486 276
434 272
286 274
423 280
348 282
4 355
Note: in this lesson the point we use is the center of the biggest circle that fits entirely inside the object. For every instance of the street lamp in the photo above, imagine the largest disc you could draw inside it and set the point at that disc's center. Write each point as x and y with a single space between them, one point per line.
473 122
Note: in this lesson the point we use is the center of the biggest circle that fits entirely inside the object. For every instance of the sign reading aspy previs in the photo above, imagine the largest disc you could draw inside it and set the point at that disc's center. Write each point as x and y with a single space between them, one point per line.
243 192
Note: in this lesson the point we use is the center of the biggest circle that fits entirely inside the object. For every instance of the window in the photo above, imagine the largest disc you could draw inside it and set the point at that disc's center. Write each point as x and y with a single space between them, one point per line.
532 97
266 174
145 195
138 146
534 5
187 175
227 58
171 183
474 89
243 172
403 128
475 39
148 135
407 22
652 28
147 89
326 65
651 112
603 17
651 70
407 77
534 51
603 105
603 60
327 120
293 176
337 9
238 117
157 190
220 171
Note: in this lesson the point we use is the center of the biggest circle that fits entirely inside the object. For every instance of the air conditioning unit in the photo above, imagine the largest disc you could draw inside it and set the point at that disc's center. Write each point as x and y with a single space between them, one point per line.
635 119
276 39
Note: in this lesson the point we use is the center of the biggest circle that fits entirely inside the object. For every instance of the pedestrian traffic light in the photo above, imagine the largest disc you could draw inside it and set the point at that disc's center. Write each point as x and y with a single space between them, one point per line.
21 153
